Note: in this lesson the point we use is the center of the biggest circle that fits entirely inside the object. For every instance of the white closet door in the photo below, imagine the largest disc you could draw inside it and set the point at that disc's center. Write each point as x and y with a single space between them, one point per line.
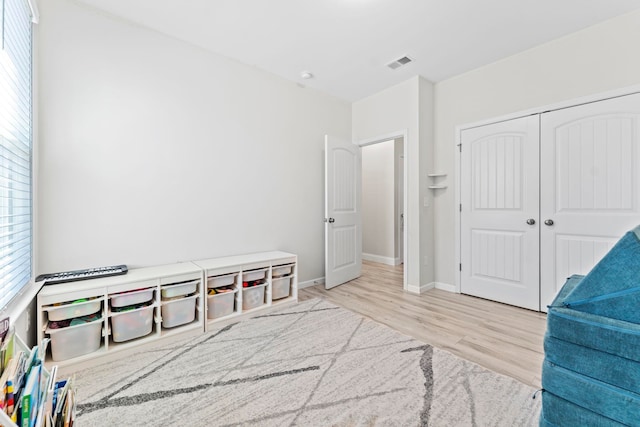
499 217
589 184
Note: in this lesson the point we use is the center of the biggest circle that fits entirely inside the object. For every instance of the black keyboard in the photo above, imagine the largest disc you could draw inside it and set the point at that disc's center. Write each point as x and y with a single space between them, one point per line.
89 273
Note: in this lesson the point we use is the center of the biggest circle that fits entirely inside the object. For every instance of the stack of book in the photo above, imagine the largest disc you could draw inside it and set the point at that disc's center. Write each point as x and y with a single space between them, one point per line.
30 395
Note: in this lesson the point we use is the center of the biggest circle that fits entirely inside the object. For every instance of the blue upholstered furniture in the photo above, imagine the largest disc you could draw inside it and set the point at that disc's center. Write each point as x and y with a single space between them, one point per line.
591 372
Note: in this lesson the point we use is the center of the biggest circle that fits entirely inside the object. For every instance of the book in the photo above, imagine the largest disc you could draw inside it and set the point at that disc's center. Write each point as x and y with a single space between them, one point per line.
61 397
32 360
30 396
7 346
4 328
49 390
5 379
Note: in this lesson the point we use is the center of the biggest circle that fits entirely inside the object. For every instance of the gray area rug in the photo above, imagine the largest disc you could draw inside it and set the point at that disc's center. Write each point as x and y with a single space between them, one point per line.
312 364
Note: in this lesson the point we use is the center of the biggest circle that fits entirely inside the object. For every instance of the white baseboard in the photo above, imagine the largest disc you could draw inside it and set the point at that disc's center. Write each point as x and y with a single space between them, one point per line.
433 285
446 287
420 289
412 289
381 259
312 282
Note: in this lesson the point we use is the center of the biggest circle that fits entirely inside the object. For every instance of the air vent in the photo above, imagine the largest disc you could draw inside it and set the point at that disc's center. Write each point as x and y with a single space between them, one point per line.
399 62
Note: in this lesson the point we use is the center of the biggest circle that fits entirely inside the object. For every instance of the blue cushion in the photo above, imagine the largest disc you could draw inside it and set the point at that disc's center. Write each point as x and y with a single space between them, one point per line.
612 287
605 367
559 412
611 402
593 331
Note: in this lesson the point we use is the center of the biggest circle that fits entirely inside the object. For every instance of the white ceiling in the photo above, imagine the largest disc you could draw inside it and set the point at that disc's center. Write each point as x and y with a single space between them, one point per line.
346 44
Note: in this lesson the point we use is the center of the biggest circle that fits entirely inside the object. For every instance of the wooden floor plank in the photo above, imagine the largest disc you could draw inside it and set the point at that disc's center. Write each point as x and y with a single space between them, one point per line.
499 337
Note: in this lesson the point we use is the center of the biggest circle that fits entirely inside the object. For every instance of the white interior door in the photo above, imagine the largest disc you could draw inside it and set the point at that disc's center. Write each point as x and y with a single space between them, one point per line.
343 216
590 186
499 212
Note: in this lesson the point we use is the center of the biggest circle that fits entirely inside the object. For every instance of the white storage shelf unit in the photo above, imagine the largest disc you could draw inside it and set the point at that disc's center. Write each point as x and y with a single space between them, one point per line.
129 310
232 272
150 303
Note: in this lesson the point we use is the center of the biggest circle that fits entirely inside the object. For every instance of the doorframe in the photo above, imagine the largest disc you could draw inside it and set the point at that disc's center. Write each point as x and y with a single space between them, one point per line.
405 247
601 96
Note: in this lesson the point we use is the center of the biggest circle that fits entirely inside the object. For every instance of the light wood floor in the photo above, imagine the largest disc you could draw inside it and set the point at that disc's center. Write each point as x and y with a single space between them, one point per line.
499 337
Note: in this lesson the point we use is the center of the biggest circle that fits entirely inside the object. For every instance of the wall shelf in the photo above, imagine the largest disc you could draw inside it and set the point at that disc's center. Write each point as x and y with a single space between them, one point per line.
435 177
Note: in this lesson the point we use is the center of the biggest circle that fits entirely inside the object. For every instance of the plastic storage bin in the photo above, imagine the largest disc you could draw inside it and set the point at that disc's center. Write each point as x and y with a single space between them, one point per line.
220 305
281 287
178 312
281 270
73 309
74 341
254 275
131 298
179 289
131 324
215 281
253 297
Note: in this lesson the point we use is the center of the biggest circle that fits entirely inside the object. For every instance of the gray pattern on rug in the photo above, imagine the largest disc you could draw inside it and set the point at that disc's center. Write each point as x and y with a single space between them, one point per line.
308 364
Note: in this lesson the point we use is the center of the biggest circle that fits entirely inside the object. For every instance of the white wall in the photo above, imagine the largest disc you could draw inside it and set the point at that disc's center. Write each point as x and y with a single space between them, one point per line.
154 151
378 202
397 109
597 59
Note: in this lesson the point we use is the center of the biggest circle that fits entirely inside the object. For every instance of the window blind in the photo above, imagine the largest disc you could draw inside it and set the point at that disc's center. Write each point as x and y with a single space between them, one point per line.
15 148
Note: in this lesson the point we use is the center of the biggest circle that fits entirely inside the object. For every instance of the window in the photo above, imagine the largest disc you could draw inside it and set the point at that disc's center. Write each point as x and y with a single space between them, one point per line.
15 148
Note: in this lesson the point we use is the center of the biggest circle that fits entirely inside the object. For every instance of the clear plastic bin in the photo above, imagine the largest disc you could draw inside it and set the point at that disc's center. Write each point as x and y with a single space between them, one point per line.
281 287
179 289
74 341
131 298
253 296
220 305
282 270
178 311
73 309
252 275
215 281
131 324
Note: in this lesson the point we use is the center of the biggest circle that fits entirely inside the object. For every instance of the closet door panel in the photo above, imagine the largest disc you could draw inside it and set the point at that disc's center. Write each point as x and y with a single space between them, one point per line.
589 186
499 193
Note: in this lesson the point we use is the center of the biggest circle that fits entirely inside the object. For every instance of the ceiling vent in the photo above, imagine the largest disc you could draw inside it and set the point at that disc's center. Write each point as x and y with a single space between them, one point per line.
399 62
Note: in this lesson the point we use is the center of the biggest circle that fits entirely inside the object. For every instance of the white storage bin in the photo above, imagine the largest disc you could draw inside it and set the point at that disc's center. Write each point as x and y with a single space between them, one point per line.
281 270
253 275
128 325
220 305
179 289
74 341
215 281
71 310
253 296
179 311
281 287
131 298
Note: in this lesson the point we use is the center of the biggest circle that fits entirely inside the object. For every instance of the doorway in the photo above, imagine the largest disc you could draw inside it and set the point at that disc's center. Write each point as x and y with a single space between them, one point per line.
383 201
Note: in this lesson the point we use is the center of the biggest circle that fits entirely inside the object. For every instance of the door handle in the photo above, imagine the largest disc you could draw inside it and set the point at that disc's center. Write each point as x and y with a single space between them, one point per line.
330 220
531 221
548 222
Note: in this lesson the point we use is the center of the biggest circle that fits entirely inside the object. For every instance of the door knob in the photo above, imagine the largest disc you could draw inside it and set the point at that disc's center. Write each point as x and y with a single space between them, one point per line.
331 220
548 222
531 221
